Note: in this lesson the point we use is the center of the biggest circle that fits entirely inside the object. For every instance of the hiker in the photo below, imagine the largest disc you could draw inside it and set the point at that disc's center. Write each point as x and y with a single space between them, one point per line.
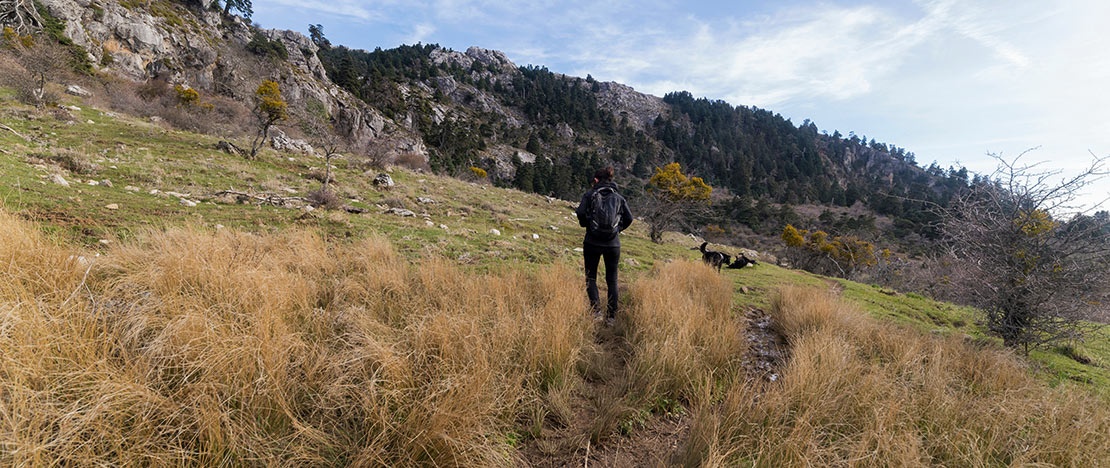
604 213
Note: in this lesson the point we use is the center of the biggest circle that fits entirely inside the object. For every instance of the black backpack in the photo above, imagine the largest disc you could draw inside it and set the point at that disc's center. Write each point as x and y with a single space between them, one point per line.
605 212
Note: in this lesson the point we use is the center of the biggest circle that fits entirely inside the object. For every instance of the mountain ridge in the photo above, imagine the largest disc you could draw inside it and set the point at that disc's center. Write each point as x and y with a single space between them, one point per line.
429 106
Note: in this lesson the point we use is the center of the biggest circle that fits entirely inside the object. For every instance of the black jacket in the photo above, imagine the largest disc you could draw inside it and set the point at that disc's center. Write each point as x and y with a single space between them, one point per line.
584 217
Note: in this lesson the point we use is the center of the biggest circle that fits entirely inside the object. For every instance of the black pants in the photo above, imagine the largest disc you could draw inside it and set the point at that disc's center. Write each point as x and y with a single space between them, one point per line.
593 255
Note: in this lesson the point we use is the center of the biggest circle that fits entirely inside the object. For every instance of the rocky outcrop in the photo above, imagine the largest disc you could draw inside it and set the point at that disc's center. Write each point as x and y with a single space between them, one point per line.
623 101
138 44
500 160
196 47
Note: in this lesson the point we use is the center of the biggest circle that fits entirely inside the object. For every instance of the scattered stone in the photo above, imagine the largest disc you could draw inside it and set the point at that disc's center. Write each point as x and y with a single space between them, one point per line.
106 183
92 182
154 191
744 290
495 232
176 194
429 223
537 236
282 142
553 228
383 180
631 262
90 122
578 249
443 226
112 206
401 212
58 179
353 209
308 208
425 200
219 226
105 241
77 91
188 203
73 108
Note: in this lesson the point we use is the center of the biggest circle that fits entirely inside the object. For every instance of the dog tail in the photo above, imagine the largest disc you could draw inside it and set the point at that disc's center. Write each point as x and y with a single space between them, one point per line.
702 247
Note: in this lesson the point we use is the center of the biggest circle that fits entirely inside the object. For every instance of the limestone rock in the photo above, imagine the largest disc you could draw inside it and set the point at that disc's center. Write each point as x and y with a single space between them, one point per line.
383 180
77 91
282 142
401 212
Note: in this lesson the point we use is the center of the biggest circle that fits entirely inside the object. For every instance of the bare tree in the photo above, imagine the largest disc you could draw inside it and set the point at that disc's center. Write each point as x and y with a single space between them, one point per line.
21 16
1033 260
41 63
331 143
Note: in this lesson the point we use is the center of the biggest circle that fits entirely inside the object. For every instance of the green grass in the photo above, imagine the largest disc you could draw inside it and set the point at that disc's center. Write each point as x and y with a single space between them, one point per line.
134 152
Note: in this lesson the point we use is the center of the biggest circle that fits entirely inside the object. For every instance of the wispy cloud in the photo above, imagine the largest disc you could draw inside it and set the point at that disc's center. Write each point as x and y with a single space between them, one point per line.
346 9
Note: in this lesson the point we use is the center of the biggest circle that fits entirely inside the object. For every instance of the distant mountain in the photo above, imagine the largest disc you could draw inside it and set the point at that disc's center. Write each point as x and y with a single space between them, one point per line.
528 127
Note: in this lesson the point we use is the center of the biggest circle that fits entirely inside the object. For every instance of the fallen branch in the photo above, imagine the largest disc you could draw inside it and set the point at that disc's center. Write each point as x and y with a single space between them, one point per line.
5 127
267 199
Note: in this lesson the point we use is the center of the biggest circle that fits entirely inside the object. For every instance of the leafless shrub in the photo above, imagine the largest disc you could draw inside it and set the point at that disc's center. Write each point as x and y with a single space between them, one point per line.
413 161
395 202
70 160
1033 262
326 199
213 114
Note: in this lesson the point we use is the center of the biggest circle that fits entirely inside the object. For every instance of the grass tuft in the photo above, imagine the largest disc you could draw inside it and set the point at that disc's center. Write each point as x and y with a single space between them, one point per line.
859 392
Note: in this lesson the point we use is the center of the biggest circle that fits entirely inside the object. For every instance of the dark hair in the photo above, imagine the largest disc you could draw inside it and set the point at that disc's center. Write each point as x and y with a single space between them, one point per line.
604 174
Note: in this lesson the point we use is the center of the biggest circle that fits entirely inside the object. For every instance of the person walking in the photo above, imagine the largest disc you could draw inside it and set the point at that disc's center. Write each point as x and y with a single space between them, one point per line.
604 213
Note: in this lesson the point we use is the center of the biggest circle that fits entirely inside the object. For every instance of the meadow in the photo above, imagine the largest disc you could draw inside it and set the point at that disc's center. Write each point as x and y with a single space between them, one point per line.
230 333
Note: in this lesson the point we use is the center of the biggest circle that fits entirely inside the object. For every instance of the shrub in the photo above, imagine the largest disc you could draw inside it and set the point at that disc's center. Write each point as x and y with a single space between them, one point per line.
413 161
263 46
326 199
71 160
837 256
186 96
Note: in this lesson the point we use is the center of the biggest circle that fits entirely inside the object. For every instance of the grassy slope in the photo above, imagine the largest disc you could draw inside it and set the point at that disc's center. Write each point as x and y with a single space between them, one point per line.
132 152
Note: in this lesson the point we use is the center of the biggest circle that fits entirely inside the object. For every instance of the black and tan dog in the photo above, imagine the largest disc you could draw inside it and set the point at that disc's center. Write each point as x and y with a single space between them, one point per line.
742 261
714 258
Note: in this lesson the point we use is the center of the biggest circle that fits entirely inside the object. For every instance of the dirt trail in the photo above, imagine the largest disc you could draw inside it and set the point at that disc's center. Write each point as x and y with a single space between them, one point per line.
590 435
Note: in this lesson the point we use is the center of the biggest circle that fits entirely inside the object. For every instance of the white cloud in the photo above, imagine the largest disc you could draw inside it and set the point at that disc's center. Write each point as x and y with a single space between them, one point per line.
420 33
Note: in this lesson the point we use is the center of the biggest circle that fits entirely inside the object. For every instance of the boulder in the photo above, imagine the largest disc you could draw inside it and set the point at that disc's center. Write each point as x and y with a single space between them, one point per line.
77 91
383 180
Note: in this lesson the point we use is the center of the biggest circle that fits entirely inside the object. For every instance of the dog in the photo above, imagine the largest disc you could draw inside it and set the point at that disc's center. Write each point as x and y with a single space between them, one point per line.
742 261
714 258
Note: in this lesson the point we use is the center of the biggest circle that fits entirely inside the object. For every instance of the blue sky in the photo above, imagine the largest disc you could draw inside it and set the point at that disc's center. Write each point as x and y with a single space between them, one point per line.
950 81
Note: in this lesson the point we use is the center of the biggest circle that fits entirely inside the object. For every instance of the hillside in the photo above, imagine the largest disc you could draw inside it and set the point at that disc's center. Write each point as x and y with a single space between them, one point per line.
424 106
141 328
166 302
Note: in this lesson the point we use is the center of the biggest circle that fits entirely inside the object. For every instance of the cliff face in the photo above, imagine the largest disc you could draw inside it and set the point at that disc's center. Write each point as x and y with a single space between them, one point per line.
196 46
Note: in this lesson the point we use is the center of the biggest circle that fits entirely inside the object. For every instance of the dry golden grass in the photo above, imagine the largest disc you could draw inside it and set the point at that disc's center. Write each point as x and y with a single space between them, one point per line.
859 393
205 349
189 347
682 330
